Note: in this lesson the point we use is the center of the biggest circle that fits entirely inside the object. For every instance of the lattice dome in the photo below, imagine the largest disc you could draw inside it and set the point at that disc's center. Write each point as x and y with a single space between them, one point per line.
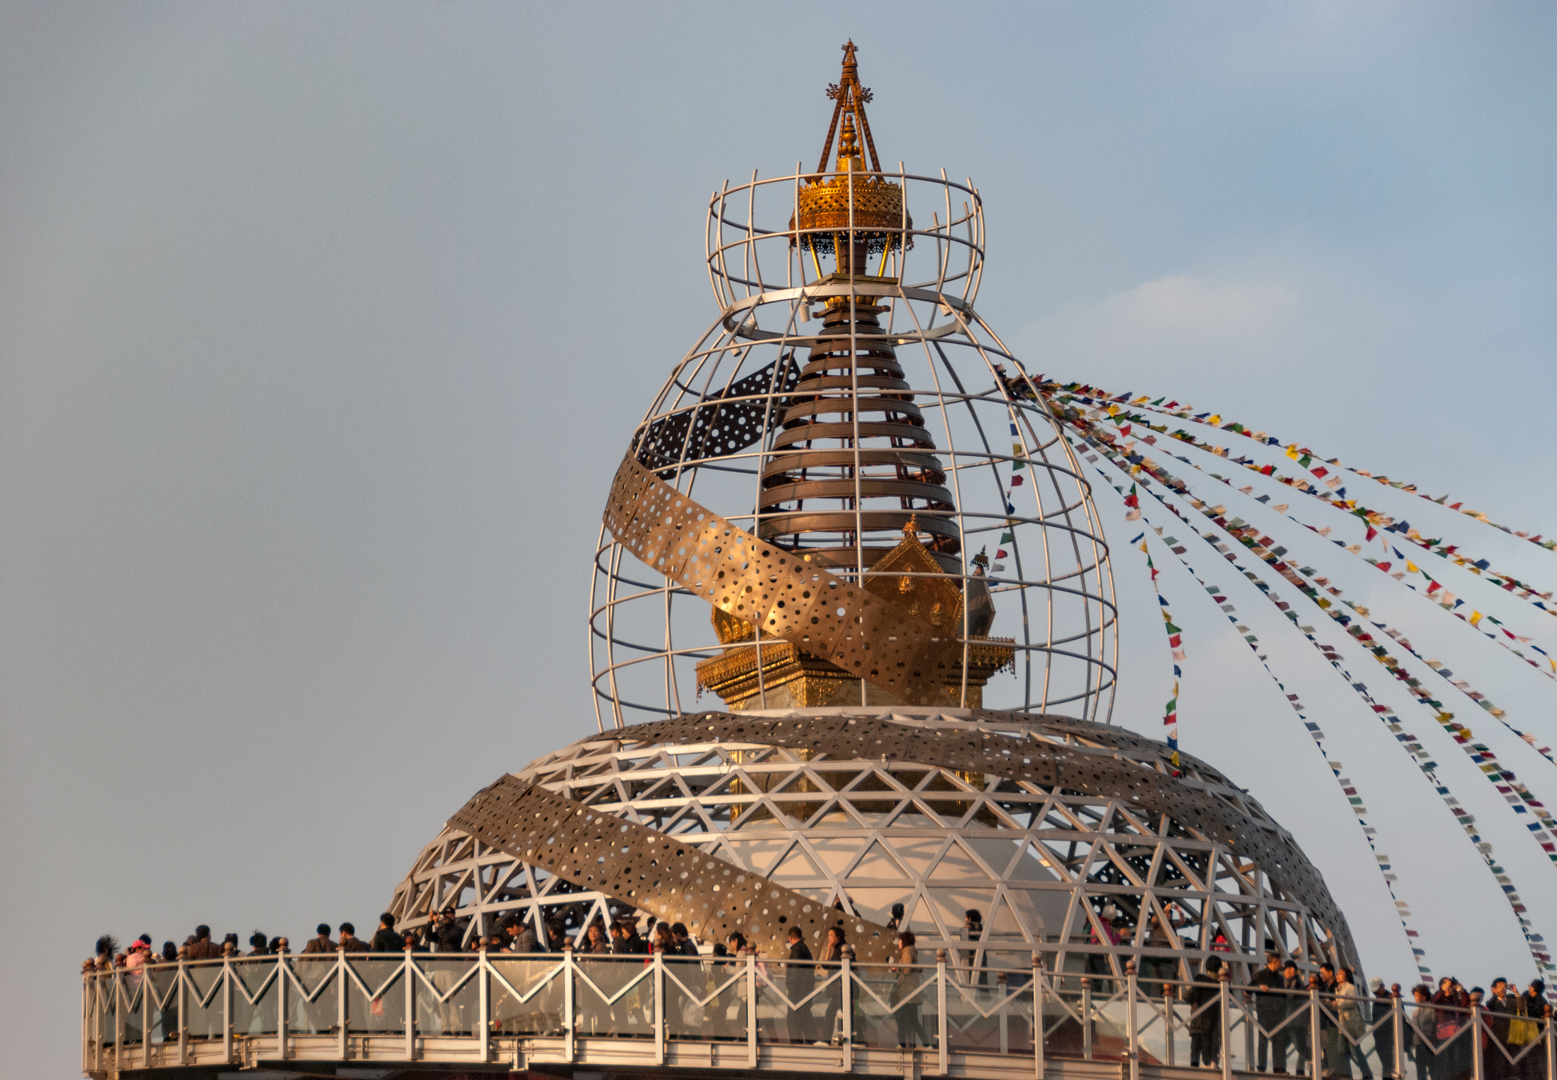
1040 823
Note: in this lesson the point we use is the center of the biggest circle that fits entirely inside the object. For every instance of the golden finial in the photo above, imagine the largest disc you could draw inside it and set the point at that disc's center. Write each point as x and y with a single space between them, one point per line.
851 98
848 210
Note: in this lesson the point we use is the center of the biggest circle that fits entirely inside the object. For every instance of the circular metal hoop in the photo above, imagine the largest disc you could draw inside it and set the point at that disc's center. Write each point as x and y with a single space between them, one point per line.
832 413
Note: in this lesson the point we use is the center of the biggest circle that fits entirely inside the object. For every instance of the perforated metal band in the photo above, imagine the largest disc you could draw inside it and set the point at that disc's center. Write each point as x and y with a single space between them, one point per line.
655 872
820 613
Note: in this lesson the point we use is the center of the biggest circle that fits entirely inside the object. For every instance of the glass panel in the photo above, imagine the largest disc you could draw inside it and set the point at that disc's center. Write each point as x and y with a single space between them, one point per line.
203 1021
996 1018
724 1014
254 978
895 1008
1067 1019
688 984
381 1011
132 983
1110 1019
162 983
607 1000
795 1005
537 1009
440 1008
313 1002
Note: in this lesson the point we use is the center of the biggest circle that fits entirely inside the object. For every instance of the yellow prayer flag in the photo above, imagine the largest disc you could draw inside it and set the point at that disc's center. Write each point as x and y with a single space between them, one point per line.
1292 452
1475 617
1411 567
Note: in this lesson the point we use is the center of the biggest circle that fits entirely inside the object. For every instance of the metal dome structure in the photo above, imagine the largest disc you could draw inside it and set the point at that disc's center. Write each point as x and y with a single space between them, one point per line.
1063 834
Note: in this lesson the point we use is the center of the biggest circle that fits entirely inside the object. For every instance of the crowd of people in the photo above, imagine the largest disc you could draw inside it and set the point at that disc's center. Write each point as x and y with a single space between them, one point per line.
1436 1022
1437 1027
620 937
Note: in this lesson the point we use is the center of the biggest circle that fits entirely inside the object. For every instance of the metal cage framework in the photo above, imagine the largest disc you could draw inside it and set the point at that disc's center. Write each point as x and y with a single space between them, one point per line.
1041 862
826 412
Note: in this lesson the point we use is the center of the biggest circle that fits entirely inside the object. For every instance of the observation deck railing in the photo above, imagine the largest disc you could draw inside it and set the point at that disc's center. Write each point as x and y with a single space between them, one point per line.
746 1013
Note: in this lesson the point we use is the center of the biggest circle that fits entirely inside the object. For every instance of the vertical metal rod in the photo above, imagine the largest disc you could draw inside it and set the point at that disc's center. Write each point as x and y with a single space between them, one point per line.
146 994
1086 1018
409 975
1477 1064
340 1002
118 985
483 1007
1038 1016
567 1001
1397 1032
751 1011
1224 993
1316 1061
281 1007
226 1009
940 1011
1168 1016
1246 1007
183 1029
660 1014
846 999
1551 1064
1134 1042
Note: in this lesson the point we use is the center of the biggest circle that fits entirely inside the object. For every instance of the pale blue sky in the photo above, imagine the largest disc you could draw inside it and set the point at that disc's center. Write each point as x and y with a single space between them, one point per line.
322 328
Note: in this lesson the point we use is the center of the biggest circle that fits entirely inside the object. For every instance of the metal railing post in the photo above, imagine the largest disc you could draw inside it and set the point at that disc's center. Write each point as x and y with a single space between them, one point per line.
281 1006
1086 1018
567 1001
1169 1016
484 1006
1396 1016
660 1012
226 1008
1225 1001
183 1029
1551 1065
940 1011
1316 1050
146 995
118 984
1477 1064
340 1002
409 975
751 1011
1038 1064
1133 1047
846 998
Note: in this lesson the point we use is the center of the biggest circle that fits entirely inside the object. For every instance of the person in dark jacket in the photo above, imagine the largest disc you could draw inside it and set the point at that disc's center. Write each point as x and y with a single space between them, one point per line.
1384 1028
320 942
446 934
1295 987
685 946
1205 1022
384 938
203 948
1496 1052
1423 1022
1270 1009
350 942
1532 1005
799 982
